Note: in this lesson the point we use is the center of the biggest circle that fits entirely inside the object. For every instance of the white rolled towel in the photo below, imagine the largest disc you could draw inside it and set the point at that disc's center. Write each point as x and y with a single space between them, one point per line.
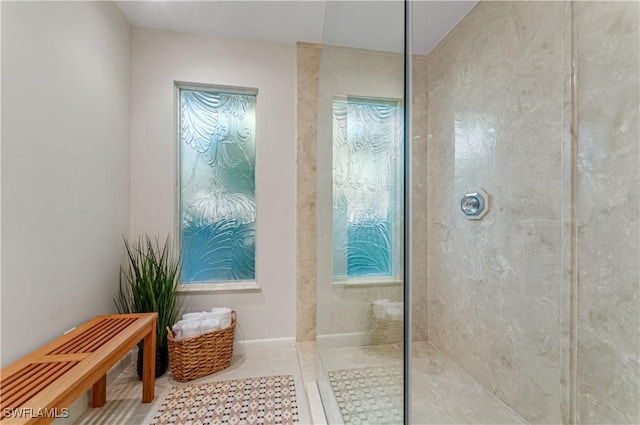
178 325
209 325
397 305
221 310
223 314
395 314
190 329
380 308
395 311
192 316
177 329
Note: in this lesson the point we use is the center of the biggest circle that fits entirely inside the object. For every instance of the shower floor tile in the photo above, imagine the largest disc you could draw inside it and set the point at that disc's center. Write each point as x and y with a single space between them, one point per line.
442 393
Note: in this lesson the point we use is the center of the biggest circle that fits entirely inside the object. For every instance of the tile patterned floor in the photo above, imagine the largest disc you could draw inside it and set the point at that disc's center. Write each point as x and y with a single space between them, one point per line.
369 395
123 405
336 359
267 400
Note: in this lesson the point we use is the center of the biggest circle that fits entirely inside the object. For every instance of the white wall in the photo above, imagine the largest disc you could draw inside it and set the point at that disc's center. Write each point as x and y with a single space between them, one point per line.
65 166
158 59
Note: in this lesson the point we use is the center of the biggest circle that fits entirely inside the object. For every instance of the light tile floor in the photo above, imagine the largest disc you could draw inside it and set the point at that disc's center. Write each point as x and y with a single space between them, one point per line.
442 393
123 405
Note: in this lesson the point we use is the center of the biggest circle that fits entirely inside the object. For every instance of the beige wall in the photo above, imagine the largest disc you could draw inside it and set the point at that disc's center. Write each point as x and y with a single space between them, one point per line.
65 166
158 59
608 212
308 78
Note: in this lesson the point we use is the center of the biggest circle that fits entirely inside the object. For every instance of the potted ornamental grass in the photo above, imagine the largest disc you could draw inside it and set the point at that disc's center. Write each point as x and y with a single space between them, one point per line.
149 283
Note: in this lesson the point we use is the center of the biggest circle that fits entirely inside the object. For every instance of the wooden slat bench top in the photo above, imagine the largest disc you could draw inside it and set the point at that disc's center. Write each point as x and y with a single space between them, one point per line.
53 376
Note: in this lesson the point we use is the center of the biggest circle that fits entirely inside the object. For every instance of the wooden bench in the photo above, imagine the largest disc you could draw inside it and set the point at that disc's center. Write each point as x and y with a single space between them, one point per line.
48 380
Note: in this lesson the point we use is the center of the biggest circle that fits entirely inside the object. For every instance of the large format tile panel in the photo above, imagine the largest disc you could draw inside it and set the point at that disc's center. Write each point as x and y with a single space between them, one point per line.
608 212
495 107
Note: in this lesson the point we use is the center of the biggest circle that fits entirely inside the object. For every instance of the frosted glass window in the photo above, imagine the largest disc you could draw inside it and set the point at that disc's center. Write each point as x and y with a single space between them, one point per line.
367 187
217 184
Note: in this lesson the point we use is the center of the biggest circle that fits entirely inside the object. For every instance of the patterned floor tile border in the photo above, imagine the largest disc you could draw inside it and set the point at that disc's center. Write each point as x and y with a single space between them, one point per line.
264 400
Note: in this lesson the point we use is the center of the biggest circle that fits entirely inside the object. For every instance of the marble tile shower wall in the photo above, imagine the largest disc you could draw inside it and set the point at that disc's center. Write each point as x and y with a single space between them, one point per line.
501 290
608 212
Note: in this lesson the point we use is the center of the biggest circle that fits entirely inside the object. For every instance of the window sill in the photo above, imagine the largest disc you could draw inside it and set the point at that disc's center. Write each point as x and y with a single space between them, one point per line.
368 281
215 287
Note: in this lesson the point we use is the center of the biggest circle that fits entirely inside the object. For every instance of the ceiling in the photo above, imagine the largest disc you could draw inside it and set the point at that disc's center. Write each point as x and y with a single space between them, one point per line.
376 25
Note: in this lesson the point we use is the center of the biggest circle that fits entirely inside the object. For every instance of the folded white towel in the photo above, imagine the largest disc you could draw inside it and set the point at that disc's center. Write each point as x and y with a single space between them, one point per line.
395 314
209 325
198 323
177 329
385 309
223 314
192 316
190 329
379 308
221 310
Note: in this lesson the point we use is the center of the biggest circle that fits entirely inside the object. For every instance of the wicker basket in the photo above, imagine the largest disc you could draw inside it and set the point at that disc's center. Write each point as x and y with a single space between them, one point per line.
193 358
386 331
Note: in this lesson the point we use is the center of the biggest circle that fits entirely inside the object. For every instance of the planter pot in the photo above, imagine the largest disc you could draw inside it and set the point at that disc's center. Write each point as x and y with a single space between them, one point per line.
162 361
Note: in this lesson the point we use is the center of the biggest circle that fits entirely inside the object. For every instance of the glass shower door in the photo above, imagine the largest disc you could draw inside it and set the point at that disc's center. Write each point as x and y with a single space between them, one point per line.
360 212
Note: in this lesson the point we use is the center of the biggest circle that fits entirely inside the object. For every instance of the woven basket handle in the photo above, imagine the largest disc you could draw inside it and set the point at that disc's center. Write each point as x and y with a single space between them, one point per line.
170 335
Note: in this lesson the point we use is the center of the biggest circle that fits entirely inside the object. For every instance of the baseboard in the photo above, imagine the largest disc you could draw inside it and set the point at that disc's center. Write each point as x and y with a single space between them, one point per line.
258 345
82 404
351 339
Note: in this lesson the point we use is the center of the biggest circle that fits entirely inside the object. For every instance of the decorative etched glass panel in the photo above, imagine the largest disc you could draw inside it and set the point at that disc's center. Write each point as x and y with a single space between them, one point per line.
217 185
367 166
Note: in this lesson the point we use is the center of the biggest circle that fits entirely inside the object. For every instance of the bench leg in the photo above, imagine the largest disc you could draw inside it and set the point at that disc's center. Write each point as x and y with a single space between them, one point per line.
99 392
149 366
